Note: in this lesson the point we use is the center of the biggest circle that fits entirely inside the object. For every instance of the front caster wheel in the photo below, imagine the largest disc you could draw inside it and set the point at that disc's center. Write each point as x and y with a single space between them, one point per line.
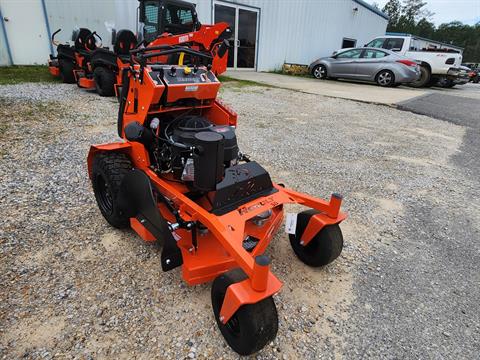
325 247
253 326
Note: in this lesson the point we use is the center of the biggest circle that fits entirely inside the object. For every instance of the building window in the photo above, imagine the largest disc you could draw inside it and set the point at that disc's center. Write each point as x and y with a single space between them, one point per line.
348 43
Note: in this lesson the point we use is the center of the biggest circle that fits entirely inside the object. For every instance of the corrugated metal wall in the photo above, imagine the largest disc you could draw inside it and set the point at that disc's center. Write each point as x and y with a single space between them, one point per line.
292 31
91 14
4 58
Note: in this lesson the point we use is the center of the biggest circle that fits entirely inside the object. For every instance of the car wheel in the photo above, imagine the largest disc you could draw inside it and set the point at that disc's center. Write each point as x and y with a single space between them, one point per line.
320 72
385 78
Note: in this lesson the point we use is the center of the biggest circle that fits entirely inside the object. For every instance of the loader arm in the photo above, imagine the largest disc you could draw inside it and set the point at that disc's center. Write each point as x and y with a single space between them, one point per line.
209 38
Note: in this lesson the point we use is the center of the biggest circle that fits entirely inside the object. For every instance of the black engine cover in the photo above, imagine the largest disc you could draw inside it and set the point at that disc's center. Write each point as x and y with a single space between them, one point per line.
241 184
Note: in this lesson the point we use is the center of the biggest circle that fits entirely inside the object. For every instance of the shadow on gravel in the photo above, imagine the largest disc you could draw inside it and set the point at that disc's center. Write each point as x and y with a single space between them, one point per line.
455 109
459 111
424 306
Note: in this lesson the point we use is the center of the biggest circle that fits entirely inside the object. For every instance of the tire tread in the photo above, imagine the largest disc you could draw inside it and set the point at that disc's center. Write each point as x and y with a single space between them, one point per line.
113 166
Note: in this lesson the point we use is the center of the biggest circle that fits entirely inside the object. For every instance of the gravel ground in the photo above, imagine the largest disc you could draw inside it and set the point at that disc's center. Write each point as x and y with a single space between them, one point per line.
406 285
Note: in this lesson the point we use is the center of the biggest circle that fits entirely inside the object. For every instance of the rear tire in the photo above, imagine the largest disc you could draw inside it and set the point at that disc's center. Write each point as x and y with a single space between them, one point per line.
424 80
320 72
385 78
104 81
448 84
66 71
108 170
253 326
325 247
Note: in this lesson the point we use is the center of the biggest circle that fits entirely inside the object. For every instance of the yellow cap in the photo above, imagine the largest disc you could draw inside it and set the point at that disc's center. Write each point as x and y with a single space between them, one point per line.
187 70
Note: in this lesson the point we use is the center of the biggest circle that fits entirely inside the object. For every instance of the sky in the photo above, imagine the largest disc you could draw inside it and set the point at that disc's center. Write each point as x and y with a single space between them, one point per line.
466 11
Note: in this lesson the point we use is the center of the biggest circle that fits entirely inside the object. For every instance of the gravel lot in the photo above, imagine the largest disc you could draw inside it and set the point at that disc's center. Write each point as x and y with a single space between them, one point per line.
406 285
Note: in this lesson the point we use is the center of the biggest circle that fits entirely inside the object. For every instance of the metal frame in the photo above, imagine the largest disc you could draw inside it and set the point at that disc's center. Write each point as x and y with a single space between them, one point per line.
237 8
7 44
350 39
47 24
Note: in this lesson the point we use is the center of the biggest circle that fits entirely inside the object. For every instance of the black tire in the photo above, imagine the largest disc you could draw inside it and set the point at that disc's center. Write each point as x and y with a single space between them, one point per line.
108 170
448 84
319 72
385 78
104 81
325 247
253 326
476 80
424 80
433 81
66 71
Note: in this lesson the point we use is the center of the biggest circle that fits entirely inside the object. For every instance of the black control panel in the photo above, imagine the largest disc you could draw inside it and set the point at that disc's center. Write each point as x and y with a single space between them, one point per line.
178 75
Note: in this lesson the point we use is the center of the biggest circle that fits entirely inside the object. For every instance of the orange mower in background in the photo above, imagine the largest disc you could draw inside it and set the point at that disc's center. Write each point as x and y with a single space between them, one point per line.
69 57
179 179
103 69
164 24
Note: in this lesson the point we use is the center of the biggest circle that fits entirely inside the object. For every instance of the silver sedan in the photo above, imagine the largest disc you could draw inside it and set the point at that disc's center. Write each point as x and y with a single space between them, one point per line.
382 66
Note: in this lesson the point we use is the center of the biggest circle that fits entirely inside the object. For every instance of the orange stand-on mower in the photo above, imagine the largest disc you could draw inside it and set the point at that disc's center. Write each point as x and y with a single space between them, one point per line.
179 179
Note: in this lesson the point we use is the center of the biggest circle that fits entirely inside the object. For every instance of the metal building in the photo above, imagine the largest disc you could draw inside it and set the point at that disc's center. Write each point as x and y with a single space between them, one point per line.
267 33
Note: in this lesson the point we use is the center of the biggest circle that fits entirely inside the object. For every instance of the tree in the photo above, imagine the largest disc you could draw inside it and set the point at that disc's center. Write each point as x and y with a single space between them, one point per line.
393 9
425 28
414 11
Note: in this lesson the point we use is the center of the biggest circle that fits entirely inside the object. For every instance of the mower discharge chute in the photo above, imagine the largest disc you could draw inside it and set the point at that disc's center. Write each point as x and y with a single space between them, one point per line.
68 60
179 179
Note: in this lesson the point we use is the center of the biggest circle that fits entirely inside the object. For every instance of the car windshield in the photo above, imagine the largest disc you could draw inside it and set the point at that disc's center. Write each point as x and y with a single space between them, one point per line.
376 43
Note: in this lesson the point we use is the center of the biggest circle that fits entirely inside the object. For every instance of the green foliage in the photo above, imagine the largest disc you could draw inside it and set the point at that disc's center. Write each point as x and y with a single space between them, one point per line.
412 16
393 9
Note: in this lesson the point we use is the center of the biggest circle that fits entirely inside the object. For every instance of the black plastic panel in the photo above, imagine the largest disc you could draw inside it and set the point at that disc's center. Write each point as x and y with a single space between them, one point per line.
241 184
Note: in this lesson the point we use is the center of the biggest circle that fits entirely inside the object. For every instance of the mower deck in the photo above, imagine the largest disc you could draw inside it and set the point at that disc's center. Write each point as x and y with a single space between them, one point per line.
86 83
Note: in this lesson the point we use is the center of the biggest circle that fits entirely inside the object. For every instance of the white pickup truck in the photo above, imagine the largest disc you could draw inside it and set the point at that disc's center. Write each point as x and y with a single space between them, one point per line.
439 63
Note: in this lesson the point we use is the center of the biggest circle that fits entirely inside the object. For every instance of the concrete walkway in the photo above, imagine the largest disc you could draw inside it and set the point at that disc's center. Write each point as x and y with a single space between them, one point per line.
371 93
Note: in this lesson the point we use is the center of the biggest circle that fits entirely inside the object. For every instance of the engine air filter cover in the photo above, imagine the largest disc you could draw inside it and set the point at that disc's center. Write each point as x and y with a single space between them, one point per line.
208 163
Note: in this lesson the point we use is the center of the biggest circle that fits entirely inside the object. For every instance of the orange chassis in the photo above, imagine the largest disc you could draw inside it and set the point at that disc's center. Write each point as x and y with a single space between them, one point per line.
220 248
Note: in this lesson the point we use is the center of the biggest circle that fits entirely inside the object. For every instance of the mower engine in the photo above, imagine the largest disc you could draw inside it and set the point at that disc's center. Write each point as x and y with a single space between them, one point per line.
215 149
